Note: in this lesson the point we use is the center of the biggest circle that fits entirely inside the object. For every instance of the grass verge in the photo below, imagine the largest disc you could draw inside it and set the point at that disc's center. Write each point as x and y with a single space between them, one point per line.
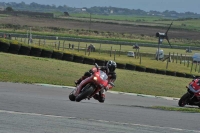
27 69
185 109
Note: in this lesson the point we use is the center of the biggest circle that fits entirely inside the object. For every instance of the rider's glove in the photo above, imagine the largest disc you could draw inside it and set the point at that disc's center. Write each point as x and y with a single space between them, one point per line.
107 88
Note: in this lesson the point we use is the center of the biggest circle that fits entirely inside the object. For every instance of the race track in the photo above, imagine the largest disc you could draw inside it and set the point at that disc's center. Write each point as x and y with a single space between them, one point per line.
28 108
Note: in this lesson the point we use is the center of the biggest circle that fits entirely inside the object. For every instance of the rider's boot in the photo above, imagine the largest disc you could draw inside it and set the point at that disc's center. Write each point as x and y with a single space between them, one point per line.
77 82
99 97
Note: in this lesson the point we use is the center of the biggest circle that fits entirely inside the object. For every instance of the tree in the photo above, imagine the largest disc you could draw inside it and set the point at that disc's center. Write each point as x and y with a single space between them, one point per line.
9 9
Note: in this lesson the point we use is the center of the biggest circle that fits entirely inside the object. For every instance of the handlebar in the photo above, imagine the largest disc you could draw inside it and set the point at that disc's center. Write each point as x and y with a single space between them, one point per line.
112 84
96 65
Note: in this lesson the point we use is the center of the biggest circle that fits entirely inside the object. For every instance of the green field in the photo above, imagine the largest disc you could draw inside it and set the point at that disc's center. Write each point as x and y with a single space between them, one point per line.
189 24
26 69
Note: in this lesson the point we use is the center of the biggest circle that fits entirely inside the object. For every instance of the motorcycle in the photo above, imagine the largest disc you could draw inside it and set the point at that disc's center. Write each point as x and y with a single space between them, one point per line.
91 85
192 97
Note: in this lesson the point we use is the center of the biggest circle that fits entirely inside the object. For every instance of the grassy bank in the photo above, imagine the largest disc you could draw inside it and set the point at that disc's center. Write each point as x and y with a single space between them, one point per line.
26 69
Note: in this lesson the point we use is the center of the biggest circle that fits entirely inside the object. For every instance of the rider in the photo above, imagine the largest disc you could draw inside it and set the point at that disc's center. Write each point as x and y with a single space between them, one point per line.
109 69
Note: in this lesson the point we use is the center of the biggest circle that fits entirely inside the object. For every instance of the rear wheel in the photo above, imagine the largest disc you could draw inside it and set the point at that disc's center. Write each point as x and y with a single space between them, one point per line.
87 91
184 100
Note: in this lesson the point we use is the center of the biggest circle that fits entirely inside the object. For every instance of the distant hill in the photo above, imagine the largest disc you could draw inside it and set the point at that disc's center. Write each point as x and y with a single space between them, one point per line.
35 7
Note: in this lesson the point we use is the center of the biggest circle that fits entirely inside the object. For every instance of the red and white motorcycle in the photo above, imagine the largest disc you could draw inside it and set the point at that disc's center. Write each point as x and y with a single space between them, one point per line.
91 85
192 96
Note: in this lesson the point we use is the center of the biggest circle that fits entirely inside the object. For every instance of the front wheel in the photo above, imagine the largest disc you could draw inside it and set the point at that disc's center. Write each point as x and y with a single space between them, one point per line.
184 100
72 97
87 91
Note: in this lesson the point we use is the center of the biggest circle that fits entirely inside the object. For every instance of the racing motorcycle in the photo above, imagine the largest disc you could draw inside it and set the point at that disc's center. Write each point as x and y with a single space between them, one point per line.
91 85
192 97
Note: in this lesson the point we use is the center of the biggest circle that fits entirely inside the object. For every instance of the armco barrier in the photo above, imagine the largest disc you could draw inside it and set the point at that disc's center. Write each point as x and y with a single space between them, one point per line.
98 41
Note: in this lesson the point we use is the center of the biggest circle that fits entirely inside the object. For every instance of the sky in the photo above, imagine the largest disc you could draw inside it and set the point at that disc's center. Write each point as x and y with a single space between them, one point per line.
180 6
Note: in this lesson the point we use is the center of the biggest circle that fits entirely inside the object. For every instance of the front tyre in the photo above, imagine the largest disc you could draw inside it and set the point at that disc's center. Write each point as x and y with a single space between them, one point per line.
72 97
184 100
87 91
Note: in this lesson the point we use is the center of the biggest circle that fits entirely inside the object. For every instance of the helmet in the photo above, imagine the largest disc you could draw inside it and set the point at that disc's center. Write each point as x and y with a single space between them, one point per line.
111 65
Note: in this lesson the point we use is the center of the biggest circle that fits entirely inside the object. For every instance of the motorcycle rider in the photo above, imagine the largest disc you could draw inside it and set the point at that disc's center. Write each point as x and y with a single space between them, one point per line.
109 69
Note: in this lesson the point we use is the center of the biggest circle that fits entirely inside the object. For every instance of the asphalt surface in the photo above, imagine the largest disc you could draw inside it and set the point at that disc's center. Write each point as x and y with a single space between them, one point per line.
28 108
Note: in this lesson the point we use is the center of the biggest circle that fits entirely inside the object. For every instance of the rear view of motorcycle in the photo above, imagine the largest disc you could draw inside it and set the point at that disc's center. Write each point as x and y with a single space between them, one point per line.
192 96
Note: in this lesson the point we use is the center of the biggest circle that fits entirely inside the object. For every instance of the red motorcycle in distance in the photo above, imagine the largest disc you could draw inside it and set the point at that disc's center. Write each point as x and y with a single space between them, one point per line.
192 97
91 85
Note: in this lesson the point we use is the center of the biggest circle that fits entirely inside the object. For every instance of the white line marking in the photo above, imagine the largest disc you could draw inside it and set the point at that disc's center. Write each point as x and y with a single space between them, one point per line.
102 121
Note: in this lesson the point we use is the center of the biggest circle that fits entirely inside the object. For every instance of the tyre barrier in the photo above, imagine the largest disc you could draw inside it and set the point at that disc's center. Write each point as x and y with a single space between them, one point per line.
140 68
100 62
179 74
24 50
170 73
78 59
35 52
89 61
14 48
130 67
67 57
57 55
46 53
189 76
163 72
150 70
4 46
121 66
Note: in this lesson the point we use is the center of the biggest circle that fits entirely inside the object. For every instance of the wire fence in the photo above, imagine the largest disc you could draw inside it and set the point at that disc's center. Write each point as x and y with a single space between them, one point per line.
114 51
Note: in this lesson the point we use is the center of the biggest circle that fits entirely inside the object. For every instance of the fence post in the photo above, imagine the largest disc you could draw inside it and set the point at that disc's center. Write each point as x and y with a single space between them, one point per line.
85 49
173 57
138 54
64 45
177 58
78 46
114 54
184 59
196 67
44 42
89 51
167 63
140 59
111 51
191 67
188 62
58 45
181 59
199 68
100 49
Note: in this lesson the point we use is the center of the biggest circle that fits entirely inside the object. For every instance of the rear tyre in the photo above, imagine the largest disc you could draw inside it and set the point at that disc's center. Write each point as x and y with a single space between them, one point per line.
184 100
72 97
87 91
